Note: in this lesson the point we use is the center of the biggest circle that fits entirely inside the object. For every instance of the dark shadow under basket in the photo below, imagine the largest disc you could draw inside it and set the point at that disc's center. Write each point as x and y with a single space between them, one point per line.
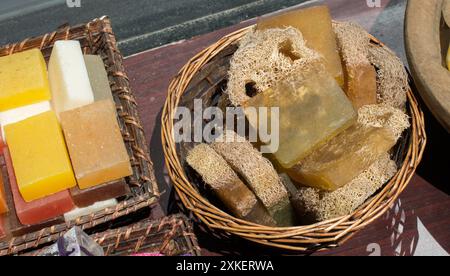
205 77
97 37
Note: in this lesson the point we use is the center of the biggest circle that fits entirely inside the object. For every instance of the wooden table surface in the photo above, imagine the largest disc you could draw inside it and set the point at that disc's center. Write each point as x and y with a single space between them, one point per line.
418 224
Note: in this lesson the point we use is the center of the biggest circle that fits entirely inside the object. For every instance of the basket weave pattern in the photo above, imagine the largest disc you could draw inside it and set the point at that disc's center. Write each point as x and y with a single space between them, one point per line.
206 72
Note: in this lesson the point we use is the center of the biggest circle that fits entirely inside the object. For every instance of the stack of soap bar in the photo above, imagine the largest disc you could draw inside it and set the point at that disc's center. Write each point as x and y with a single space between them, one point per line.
313 109
23 79
21 113
38 151
98 78
315 25
227 185
87 197
95 144
342 159
69 80
40 210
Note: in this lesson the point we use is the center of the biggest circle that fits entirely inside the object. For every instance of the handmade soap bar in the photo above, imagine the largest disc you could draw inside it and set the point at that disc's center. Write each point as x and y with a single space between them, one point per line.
40 210
95 144
315 25
226 184
344 157
3 200
98 206
87 197
69 80
2 227
23 79
312 110
98 78
40 157
21 113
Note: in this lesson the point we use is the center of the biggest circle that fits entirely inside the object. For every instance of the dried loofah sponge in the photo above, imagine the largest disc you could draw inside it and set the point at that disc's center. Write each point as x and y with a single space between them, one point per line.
258 173
384 115
265 57
392 79
314 205
219 176
360 75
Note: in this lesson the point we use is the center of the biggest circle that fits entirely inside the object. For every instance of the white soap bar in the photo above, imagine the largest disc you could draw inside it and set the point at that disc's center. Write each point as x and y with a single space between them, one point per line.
68 76
21 113
98 206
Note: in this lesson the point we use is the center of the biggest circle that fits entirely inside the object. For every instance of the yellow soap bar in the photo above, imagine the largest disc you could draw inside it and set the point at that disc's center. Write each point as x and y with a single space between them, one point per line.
312 110
342 159
95 144
23 80
316 27
39 156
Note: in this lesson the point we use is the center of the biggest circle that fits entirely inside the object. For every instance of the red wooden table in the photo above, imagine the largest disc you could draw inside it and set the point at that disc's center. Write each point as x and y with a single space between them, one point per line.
418 224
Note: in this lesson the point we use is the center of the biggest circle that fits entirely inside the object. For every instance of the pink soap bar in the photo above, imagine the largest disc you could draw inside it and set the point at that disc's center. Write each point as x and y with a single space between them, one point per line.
39 210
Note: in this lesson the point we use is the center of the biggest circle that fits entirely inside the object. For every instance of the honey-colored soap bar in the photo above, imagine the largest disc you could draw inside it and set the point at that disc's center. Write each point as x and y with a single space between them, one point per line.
87 197
344 157
312 110
98 78
68 77
37 211
95 144
38 151
316 27
23 79
227 185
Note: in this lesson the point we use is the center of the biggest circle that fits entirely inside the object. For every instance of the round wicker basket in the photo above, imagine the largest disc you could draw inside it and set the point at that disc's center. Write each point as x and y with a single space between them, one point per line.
204 75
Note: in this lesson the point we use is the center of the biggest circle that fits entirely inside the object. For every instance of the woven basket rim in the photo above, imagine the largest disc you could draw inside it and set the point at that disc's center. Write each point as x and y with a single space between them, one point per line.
319 236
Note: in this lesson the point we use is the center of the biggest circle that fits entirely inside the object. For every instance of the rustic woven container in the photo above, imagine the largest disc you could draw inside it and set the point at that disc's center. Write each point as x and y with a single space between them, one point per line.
169 236
97 37
205 77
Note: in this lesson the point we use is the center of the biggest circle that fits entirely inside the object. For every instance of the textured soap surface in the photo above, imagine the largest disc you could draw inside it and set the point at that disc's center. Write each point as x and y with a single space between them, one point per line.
87 197
316 27
69 80
21 113
98 78
312 110
37 211
23 79
38 151
95 144
344 157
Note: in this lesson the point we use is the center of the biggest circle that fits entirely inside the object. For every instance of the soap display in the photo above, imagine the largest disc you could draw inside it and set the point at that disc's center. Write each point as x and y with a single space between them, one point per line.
23 80
37 211
98 78
74 243
110 190
312 110
95 144
98 206
39 155
68 77
227 185
316 27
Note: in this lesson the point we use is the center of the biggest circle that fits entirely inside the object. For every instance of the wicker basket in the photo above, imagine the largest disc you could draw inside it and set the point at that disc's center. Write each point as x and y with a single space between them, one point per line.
204 76
97 37
170 236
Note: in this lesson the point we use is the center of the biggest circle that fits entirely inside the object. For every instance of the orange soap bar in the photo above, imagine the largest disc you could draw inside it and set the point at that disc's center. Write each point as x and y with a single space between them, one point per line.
3 201
95 144
2 227
39 210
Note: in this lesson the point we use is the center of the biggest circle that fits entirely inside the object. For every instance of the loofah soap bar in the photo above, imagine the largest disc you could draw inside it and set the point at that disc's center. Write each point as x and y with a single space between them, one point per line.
315 25
23 79
258 173
229 188
360 75
313 109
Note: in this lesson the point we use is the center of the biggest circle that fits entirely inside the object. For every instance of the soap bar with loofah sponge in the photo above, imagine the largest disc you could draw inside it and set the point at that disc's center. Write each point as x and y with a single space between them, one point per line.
258 173
343 158
312 110
315 25
226 184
